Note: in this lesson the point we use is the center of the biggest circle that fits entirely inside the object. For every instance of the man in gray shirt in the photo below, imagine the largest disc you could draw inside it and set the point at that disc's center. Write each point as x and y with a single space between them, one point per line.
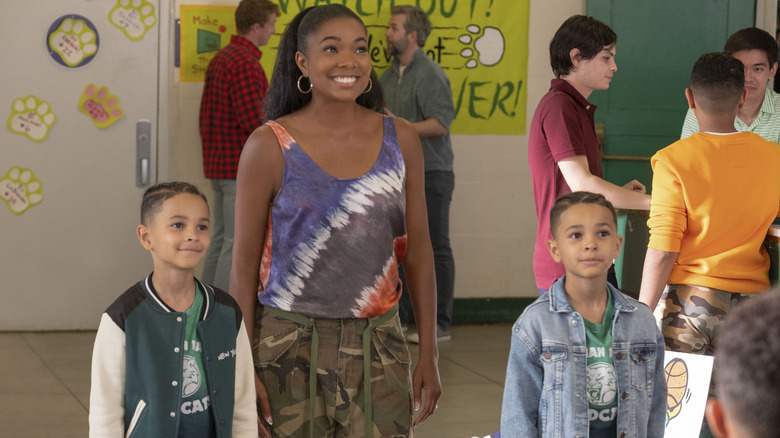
417 90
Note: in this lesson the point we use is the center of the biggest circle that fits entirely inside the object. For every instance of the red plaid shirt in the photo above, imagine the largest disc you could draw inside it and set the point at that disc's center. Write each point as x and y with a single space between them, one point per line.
231 107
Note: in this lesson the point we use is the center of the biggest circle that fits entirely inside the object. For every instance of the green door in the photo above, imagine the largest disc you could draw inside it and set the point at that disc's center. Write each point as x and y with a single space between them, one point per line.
658 42
644 107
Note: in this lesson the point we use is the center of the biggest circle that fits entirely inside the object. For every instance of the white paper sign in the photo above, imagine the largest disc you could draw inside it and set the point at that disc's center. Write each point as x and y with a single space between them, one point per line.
688 382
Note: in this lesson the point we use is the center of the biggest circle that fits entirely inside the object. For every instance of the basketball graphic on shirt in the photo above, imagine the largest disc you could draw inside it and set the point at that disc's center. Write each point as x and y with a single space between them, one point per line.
190 376
602 384
676 374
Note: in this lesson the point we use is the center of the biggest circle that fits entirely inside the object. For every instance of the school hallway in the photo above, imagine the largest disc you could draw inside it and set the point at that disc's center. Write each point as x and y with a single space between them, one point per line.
44 383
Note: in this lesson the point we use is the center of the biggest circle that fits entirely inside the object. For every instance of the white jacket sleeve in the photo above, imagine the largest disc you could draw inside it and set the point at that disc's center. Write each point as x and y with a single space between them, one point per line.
245 405
107 396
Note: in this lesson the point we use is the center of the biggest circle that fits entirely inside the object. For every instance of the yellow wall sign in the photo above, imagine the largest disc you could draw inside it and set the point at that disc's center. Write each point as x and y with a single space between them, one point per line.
482 45
204 30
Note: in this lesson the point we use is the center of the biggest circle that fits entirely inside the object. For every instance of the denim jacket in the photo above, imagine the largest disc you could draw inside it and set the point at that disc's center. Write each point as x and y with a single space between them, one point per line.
545 392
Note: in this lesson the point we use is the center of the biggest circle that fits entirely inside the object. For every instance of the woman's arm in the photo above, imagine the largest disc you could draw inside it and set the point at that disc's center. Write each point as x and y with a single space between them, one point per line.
419 271
258 180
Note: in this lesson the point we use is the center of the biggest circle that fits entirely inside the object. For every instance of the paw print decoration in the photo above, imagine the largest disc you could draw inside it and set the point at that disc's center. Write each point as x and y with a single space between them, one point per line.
485 49
100 106
31 117
133 17
73 41
20 189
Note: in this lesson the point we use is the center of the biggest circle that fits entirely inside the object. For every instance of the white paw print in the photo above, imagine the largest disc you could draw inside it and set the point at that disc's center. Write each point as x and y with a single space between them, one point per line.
133 17
488 47
20 189
31 117
73 41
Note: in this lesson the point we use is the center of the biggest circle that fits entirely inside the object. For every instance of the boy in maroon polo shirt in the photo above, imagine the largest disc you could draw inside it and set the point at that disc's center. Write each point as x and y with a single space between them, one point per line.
563 150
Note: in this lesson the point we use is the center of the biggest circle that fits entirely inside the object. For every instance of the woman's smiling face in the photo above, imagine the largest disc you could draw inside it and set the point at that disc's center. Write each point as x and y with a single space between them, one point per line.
337 61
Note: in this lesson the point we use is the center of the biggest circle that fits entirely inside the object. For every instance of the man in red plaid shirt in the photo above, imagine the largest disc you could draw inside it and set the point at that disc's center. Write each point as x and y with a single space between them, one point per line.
231 108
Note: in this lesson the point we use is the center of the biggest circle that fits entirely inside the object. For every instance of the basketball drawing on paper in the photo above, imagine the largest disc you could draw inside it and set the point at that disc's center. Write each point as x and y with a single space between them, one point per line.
676 374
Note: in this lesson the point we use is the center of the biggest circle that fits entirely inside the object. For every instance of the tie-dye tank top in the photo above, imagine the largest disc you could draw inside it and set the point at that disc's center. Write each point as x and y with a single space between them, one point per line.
333 245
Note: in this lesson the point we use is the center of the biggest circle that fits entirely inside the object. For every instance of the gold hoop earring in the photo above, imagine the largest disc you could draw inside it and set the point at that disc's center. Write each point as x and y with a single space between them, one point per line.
370 85
301 89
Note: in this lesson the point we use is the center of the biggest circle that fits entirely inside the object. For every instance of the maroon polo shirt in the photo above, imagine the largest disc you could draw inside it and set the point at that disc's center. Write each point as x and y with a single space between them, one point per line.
562 127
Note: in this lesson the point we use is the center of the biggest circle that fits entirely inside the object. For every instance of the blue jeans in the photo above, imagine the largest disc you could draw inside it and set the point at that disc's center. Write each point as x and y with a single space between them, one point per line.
439 186
219 258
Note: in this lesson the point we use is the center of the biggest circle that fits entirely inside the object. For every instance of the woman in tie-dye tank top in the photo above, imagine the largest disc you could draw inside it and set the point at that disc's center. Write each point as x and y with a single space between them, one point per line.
330 202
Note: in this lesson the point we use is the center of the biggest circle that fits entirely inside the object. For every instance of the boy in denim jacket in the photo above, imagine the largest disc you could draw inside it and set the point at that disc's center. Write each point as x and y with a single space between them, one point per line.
585 360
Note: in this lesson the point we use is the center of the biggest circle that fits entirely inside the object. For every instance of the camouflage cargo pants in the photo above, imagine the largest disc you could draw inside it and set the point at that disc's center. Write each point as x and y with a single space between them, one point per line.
284 345
690 316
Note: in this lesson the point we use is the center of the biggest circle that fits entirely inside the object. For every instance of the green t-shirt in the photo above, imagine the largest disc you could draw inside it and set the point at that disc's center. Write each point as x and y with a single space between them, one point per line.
196 419
601 377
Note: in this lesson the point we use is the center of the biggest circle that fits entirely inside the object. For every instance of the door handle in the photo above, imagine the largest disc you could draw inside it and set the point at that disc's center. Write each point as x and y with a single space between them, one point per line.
143 150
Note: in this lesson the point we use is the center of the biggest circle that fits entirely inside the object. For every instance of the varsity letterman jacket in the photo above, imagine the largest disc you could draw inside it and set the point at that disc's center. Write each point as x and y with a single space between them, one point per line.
137 366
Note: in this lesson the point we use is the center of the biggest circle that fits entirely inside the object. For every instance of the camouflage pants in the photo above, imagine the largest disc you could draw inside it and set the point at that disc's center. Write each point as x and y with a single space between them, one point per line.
690 316
284 345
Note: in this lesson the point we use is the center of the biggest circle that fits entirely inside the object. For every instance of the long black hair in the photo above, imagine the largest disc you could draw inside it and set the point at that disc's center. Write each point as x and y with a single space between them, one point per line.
283 95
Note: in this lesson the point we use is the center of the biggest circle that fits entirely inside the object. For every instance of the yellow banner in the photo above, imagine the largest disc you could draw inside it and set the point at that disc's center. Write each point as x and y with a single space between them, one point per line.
482 45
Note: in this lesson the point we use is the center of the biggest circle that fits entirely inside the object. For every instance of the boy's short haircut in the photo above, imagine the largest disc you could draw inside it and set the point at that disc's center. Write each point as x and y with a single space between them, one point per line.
416 20
747 376
717 81
587 34
564 202
250 12
753 38
156 195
